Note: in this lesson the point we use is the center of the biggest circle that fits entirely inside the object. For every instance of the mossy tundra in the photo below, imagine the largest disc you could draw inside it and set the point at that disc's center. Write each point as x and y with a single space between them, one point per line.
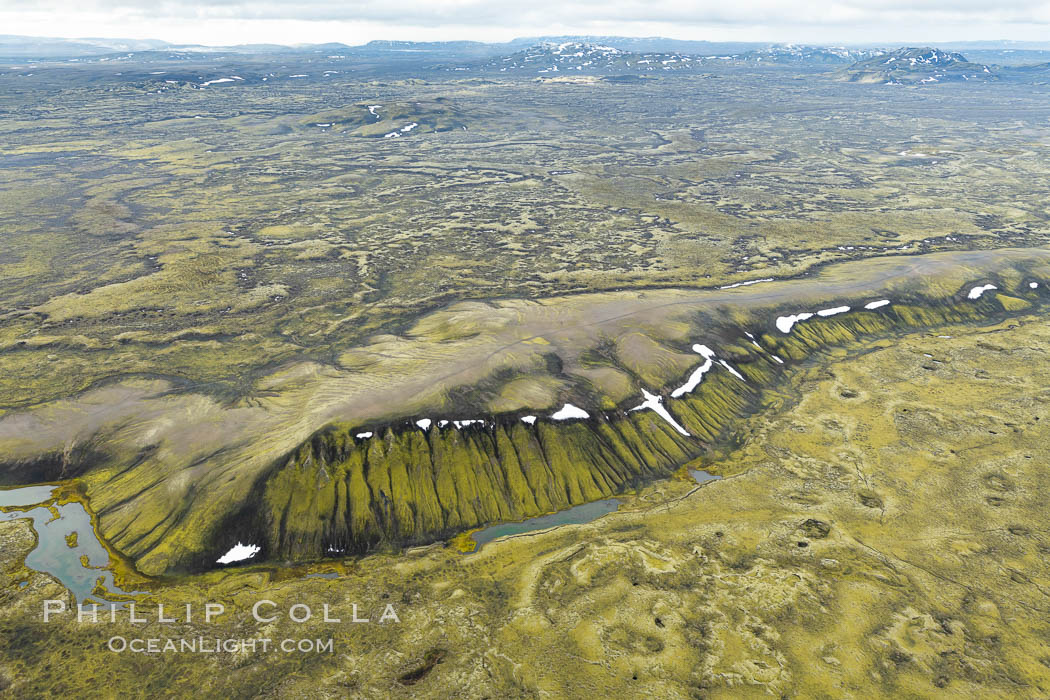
876 535
241 314
333 460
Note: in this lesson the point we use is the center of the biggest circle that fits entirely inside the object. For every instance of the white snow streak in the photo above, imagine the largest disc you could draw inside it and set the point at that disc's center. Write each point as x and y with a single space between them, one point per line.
655 403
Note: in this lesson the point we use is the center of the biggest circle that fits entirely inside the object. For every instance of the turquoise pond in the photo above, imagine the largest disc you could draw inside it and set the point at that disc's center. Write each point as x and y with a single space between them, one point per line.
52 554
576 515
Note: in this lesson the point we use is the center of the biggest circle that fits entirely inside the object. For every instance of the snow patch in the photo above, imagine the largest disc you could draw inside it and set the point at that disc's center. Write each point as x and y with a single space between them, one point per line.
707 352
569 411
221 80
364 436
785 323
424 423
531 420
732 371
654 402
831 312
698 373
239 552
976 292
694 380
872 305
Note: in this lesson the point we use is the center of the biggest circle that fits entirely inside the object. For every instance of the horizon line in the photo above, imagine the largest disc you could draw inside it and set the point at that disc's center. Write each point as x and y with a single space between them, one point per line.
541 37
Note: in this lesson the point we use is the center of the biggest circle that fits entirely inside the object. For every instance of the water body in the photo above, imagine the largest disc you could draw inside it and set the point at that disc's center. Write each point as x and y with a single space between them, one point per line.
576 515
53 555
703 477
27 496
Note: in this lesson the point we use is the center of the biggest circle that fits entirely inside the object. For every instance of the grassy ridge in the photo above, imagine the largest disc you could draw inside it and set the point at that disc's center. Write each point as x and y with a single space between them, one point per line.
410 487
406 486
178 478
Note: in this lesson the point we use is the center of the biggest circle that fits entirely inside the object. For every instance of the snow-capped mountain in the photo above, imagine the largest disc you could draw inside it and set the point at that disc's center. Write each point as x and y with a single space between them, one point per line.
918 65
800 54
596 58
579 57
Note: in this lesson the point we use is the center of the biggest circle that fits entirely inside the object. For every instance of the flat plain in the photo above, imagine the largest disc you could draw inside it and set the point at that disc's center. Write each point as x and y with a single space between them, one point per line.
210 234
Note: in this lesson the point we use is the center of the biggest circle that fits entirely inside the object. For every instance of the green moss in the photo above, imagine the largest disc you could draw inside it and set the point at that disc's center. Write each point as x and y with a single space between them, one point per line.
407 486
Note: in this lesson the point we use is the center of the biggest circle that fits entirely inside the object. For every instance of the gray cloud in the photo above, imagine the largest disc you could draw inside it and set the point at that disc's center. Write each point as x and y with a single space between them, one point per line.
487 12
828 21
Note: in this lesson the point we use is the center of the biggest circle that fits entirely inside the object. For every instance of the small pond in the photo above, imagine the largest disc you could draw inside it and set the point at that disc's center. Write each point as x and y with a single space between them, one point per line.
576 515
53 554
703 477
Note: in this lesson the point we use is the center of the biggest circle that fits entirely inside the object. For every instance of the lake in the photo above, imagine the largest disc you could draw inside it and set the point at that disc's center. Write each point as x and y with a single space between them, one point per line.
576 515
53 554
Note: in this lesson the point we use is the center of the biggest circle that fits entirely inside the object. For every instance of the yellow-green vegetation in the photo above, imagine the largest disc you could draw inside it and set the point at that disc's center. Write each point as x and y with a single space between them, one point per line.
332 317
428 115
413 487
210 235
71 539
178 477
405 486
198 285
464 542
878 535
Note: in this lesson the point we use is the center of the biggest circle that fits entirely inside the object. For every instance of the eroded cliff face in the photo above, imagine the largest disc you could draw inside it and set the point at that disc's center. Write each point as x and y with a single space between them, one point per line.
344 491
883 533
177 477
339 493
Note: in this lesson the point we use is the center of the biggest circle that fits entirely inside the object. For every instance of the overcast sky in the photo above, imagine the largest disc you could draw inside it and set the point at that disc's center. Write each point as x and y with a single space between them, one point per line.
358 21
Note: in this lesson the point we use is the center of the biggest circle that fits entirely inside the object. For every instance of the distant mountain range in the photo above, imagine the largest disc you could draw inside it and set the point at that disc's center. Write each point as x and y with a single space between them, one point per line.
620 58
918 65
584 57
798 54
25 47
